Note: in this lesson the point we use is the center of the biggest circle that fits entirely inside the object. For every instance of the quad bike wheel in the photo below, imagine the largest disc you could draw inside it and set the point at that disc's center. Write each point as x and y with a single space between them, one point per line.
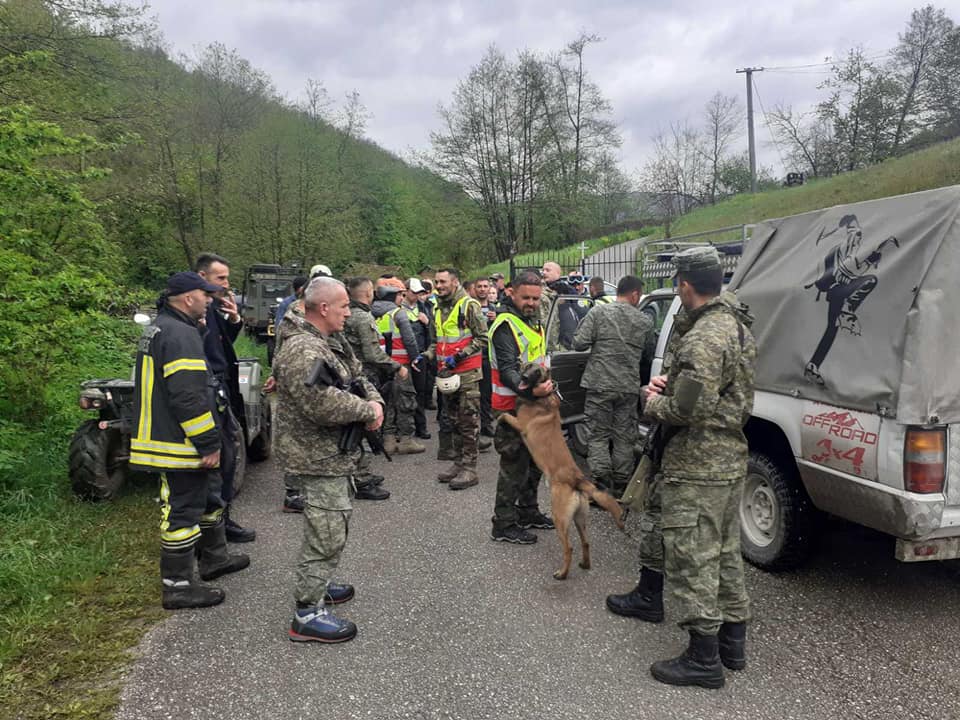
98 461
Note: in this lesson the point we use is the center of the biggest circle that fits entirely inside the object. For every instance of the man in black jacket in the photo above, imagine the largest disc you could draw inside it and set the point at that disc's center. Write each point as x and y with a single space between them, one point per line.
516 338
176 435
223 325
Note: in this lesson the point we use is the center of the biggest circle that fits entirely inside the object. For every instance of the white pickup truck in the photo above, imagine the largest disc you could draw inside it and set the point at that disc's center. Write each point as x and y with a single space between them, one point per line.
858 393
857 408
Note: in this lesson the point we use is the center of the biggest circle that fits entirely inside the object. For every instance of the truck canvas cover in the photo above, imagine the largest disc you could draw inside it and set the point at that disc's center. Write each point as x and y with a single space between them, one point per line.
859 305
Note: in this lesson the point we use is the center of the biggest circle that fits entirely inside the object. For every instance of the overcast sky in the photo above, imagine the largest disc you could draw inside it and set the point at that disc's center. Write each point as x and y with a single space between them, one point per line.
658 62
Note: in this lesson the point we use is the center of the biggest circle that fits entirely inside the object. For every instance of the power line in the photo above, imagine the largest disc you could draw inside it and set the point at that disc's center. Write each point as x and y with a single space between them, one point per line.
766 120
783 68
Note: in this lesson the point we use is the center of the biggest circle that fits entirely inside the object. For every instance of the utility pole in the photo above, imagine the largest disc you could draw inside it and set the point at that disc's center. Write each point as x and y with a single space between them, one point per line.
750 139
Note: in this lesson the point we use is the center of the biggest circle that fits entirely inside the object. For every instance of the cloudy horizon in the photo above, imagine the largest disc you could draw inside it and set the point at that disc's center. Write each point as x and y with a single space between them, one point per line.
656 64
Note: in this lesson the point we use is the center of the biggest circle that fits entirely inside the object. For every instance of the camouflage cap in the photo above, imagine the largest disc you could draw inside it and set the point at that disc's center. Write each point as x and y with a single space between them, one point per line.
697 258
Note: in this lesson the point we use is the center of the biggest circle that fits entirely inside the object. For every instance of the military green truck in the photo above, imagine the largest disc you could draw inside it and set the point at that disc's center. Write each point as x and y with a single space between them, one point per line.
264 286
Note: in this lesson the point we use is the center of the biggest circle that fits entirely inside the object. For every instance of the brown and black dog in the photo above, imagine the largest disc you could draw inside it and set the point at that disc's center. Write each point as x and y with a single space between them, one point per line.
538 423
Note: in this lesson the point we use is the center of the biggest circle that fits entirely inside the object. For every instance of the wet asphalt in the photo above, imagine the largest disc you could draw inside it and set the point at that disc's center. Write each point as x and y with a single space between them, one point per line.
453 625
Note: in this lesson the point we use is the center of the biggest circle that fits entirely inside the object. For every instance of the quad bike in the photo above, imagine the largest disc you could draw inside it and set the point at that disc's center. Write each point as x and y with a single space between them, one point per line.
100 447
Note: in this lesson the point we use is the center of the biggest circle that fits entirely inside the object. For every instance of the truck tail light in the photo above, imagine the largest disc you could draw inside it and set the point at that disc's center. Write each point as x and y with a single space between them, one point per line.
924 460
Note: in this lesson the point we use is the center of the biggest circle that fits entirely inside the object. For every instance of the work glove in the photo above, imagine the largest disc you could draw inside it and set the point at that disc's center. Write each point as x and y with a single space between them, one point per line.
450 362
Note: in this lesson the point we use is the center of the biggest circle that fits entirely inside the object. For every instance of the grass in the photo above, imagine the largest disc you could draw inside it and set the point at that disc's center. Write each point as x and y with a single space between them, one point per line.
936 166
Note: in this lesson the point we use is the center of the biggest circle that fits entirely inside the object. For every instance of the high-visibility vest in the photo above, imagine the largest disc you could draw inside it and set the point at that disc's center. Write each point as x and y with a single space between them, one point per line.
532 347
389 330
451 338
603 300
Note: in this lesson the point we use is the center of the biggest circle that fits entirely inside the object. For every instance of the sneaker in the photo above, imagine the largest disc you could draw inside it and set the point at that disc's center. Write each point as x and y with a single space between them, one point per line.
294 503
536 521
318 624
513 534
338 593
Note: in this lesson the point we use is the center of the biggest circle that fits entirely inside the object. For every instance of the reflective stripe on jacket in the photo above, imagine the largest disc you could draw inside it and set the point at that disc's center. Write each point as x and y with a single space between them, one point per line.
389 330
452 338
173 397
531 346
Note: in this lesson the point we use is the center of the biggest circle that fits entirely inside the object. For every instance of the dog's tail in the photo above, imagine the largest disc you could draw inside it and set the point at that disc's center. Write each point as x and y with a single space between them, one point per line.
602 499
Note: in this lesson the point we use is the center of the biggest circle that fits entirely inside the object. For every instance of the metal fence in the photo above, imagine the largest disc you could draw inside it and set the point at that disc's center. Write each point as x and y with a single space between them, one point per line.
647 257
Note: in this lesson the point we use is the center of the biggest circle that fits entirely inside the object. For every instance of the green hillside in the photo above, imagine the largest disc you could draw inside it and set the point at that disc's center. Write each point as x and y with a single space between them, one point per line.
936 166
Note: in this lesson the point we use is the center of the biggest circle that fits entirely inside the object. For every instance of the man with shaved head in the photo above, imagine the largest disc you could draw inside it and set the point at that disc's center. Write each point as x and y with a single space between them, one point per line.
309 427
555 284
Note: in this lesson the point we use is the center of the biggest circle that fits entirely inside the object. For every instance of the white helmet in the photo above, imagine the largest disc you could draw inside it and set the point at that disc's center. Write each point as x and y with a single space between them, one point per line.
448 382
320 270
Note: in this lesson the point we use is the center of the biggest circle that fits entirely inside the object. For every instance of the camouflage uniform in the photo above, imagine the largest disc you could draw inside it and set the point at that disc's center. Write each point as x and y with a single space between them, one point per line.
615 334
360 330
463 407
707 401
307 432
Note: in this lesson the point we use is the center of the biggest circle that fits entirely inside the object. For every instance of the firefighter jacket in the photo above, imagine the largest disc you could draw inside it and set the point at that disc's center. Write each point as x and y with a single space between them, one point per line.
174 397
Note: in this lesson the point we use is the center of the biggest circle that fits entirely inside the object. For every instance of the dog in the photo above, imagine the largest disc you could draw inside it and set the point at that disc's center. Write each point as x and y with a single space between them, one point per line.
538 423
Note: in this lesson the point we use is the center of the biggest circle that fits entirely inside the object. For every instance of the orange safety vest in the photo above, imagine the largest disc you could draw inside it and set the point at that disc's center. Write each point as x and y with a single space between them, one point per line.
387 326
451 338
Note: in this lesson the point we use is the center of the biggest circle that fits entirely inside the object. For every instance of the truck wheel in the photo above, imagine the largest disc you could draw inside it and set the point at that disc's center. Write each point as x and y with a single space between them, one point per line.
260 447
98 461
776 516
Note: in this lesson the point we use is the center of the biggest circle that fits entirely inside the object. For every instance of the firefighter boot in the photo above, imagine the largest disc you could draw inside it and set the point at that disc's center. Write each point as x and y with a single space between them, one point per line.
445 448
215 559
698 665
181 588
645 601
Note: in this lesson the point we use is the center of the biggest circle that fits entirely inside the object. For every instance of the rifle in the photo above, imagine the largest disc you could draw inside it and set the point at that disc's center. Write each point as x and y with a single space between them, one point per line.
350 435
634 496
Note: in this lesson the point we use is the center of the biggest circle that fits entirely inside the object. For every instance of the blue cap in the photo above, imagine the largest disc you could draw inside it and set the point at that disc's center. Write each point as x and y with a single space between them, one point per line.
184 282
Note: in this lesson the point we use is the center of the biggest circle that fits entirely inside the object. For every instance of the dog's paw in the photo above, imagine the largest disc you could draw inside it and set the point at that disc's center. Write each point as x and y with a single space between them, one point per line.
560 575
585 564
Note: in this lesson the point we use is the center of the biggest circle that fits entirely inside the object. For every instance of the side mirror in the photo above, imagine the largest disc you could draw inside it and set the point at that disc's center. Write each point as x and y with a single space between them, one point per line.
141 319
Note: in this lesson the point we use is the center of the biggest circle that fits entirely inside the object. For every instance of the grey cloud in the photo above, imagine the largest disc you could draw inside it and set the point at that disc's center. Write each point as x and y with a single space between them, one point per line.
658 63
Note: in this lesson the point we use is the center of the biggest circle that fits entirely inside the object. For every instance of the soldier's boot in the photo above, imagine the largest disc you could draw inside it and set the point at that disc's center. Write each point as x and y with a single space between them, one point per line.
215 559
390 444
369 490
449 474
181 588
409 446
467 477
445 447
645 601
733 645
698 665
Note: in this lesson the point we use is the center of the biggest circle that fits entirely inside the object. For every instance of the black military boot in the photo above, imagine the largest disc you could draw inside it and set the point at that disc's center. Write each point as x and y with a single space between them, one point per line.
235 532
733 645
215 559
645 601
698 665
367 490
181 588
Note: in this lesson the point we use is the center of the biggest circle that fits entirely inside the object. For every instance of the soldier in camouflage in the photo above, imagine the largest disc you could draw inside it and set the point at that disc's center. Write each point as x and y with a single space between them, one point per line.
461 337
307 435
616 335
703 402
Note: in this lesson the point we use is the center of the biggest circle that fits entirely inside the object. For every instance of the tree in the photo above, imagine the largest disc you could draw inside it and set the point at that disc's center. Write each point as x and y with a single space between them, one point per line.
676 173
723 122
811 146
920 47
